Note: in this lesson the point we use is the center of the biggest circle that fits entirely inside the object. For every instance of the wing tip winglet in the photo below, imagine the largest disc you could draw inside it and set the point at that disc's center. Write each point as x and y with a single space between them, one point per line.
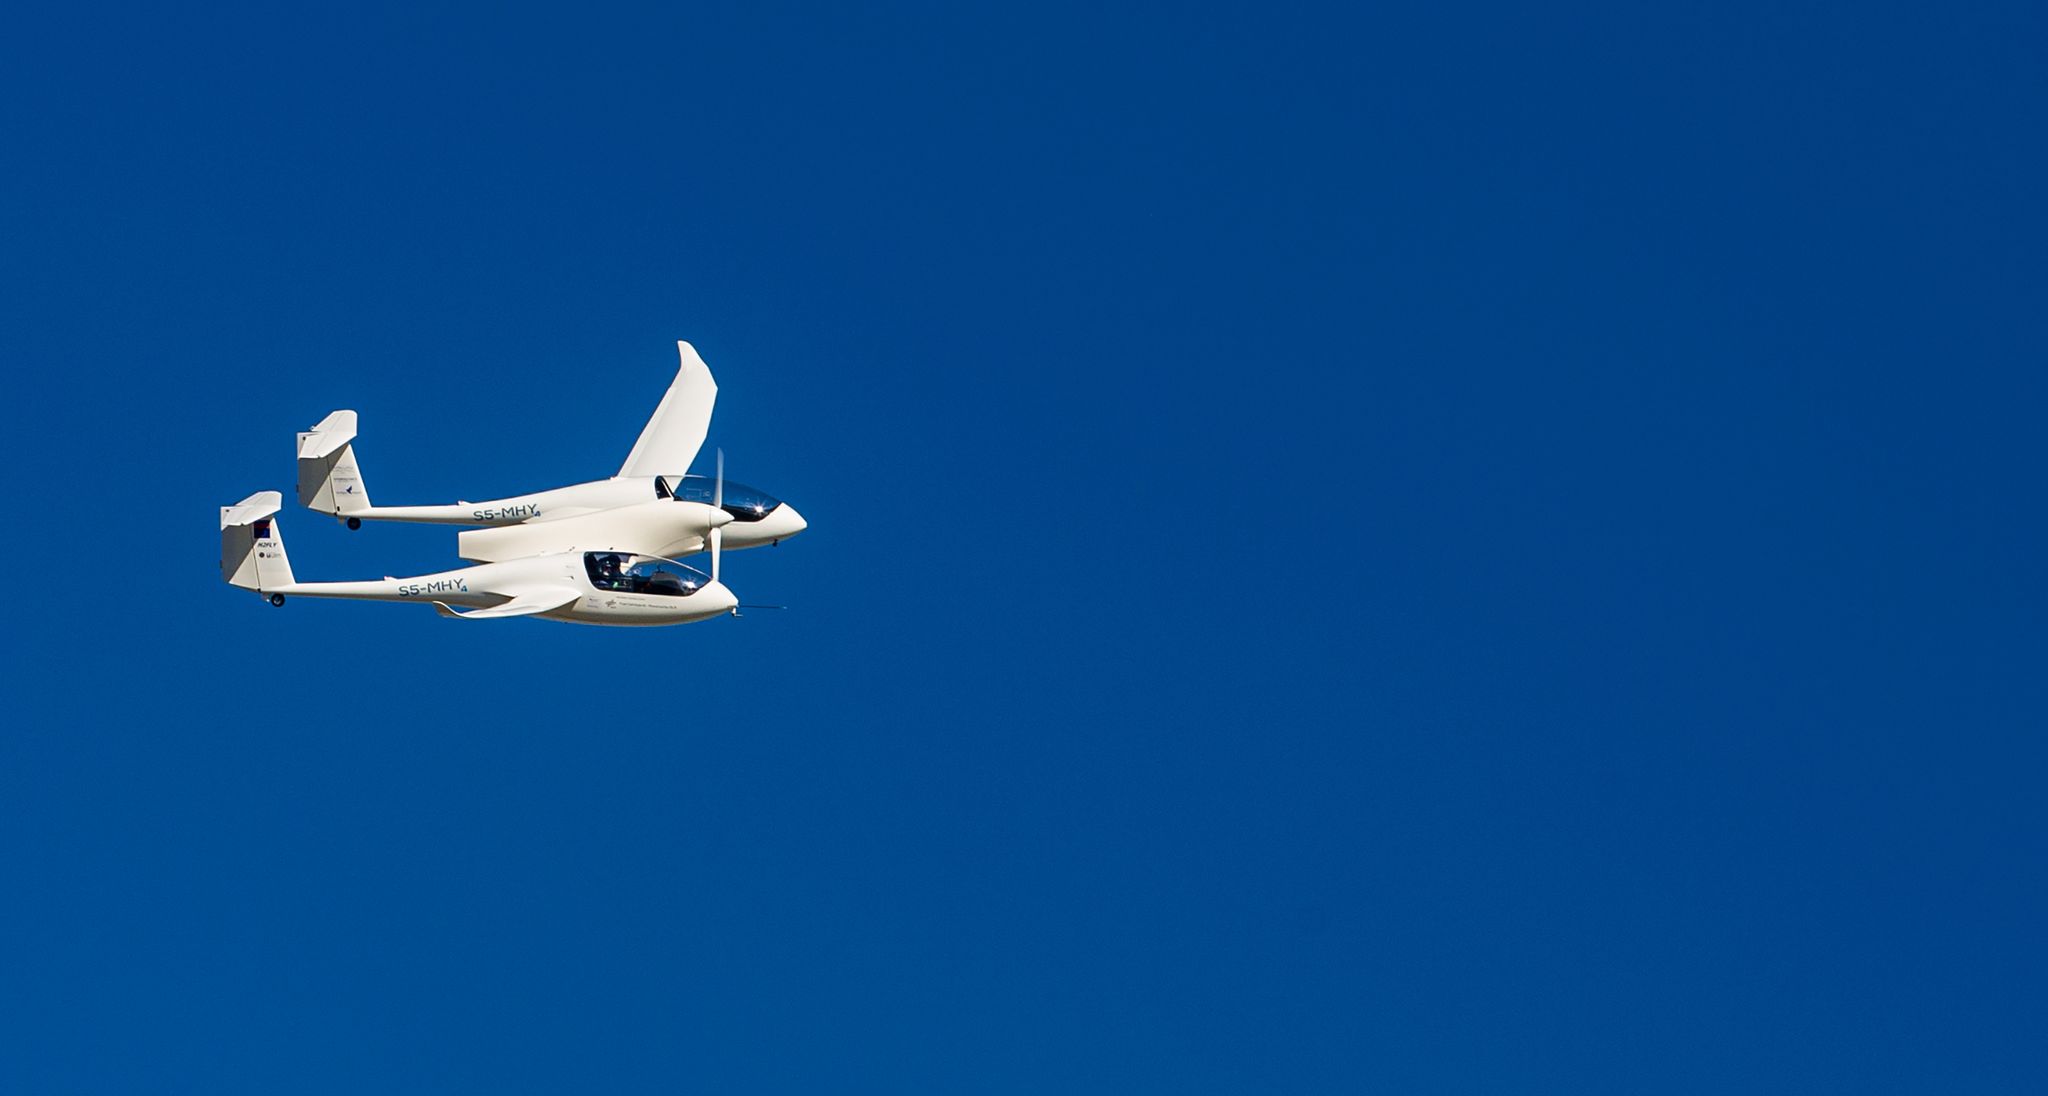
672 436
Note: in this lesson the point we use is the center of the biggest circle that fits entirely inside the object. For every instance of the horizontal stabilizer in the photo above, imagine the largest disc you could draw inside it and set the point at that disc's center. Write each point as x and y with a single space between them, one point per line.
250 510
328 436
526 604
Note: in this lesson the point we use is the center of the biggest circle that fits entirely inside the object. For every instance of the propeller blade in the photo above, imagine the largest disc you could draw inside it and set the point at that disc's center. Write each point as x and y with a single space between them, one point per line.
717 503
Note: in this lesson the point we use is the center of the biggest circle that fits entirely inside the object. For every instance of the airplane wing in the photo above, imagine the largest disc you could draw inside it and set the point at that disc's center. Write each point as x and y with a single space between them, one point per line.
525 604
672 437
657 527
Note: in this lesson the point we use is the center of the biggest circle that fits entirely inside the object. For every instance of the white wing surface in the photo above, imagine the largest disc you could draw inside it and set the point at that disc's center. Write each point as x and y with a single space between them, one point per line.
675 433
525 604
657 527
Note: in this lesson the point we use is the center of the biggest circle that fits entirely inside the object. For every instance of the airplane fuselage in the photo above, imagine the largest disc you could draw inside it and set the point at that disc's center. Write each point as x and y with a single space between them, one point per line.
752 526
490 585
560 502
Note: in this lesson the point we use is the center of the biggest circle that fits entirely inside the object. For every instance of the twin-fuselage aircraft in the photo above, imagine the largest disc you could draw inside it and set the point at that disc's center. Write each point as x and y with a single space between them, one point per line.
601 552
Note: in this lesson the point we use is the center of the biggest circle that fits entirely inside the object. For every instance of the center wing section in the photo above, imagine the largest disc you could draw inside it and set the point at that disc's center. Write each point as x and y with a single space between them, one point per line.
525 604
657 527
672 437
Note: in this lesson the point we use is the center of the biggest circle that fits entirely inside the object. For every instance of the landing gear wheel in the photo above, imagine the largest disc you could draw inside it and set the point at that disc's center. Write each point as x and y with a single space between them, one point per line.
355 523
277 600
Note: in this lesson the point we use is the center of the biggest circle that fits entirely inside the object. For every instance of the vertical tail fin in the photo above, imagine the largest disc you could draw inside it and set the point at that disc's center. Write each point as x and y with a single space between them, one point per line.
251 547
329 480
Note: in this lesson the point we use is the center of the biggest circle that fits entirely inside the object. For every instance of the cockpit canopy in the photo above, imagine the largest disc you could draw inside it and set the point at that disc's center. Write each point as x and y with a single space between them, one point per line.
629 574
742 502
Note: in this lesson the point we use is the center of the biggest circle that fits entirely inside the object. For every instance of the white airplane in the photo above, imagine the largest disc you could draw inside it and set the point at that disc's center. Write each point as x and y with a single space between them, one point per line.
635 504
612 586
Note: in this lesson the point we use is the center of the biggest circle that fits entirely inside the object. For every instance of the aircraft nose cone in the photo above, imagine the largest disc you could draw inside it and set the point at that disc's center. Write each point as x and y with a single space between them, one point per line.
719 519
788 522
716 598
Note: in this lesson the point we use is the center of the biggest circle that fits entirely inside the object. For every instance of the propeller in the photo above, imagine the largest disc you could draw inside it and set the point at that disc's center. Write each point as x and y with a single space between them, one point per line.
717 503
718 533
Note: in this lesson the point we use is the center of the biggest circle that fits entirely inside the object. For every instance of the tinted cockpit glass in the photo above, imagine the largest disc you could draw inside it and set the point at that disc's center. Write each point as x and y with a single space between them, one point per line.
627 574
742 502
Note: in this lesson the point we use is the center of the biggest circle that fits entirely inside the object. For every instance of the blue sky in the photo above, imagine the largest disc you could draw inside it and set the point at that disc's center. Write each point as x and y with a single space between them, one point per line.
1439 549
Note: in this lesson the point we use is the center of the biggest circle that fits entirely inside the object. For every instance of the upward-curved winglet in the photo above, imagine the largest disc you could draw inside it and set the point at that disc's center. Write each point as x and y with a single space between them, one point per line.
672 437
